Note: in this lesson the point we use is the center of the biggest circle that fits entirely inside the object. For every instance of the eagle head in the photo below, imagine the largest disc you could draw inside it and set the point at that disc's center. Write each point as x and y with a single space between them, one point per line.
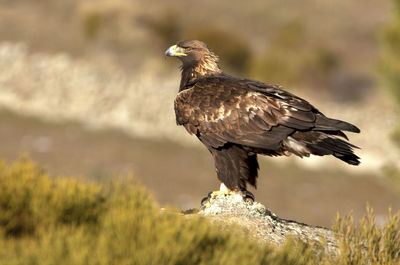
194 53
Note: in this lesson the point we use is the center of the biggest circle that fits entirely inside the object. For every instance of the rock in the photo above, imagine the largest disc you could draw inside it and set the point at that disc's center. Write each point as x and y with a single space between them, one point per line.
264 225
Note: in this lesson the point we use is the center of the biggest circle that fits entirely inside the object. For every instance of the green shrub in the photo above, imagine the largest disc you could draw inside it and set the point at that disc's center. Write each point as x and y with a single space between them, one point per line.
29 200
24 190
76 203
64 221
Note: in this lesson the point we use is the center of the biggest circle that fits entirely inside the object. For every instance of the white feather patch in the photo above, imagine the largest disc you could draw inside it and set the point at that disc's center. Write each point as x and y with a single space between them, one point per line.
296 146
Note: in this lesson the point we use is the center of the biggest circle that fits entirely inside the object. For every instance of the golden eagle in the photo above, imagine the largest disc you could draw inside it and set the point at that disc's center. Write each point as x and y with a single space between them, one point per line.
236 119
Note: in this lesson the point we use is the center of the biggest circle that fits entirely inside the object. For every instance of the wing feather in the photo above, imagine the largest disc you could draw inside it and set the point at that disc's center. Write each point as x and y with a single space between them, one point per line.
243 111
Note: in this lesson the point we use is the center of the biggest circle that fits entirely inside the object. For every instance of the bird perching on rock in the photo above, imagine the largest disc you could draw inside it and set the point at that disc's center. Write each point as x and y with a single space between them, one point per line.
237 118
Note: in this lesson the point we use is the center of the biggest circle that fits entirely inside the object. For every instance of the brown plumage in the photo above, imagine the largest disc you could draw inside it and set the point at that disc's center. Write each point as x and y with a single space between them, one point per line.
236 119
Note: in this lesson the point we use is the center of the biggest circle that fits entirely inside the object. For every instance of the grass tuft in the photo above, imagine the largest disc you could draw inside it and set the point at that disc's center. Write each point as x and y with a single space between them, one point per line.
368 243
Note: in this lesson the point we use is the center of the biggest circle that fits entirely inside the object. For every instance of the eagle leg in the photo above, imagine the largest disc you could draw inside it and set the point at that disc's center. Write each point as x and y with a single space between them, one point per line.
224 190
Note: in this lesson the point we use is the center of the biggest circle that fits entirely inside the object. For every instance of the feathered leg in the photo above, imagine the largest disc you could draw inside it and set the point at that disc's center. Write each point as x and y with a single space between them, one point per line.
235 168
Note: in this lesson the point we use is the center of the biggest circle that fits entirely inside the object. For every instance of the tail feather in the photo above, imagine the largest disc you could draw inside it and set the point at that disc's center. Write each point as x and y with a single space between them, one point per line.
336 147
324 123
349 159
321 143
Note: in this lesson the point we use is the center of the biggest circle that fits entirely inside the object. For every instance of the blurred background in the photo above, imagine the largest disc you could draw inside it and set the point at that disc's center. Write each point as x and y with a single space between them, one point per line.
85 90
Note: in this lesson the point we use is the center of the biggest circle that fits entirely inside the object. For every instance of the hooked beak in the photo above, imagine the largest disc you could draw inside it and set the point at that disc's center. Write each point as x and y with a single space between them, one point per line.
174 50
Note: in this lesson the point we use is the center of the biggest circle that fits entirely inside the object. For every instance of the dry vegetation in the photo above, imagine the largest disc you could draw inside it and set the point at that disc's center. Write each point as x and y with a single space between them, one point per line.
63 221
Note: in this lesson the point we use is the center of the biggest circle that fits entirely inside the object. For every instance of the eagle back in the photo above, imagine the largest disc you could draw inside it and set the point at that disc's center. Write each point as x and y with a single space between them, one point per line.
238 107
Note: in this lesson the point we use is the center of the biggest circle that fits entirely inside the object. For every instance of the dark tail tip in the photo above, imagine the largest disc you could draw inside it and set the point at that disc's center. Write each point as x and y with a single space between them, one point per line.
345 126
353 128
351 159
327 124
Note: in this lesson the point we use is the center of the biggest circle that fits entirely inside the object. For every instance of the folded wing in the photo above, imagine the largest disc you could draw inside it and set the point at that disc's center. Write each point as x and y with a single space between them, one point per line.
221 109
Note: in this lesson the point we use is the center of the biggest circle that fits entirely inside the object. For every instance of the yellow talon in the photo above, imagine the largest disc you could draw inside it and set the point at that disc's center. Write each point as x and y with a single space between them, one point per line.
223 190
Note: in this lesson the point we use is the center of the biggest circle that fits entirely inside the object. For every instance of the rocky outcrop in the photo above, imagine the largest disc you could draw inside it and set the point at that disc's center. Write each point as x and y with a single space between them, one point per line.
262 224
